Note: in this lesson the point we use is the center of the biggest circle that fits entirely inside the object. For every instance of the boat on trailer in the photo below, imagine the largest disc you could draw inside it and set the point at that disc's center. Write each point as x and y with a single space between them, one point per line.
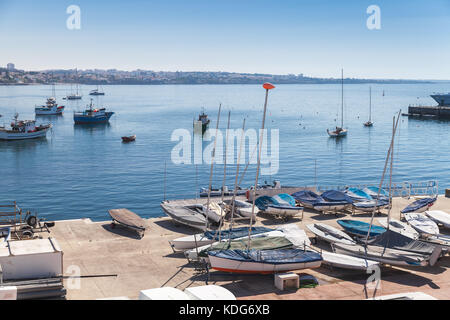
399 227
420 205
360 228
282 205
242 208
310 199
344 261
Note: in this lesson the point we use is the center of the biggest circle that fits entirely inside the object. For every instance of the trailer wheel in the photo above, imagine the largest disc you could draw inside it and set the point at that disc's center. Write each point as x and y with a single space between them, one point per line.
32 221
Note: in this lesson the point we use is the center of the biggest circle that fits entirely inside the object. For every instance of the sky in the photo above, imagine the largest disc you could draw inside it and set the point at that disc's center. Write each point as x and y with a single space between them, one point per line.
313 37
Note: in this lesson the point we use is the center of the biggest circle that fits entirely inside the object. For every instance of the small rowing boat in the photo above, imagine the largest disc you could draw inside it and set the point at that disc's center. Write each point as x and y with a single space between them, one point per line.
129 138
128 219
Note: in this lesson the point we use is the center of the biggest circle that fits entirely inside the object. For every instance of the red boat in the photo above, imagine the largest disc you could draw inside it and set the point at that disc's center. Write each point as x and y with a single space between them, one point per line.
129 138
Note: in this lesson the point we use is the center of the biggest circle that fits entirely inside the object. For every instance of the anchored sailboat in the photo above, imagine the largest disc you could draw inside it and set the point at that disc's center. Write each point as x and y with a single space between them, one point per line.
340 131
369 123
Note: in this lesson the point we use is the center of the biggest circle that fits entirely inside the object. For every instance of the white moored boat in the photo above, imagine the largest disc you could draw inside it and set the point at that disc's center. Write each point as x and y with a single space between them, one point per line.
23 129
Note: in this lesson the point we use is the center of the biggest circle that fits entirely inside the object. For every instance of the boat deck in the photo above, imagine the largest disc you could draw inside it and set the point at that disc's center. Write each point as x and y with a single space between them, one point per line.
130 264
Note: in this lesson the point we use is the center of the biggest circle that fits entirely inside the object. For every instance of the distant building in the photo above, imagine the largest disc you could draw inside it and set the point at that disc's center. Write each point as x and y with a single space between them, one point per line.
10 67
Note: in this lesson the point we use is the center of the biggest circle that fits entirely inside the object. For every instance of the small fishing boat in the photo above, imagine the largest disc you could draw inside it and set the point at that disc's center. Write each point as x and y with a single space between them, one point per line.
282 205
129 220
187 215
399 227
208 237
347 262
73 96
24 129
369 123
92 116
420 205
424 225
242 208
50 108
440 217
360 228
330 234
202 122
129 138
264 261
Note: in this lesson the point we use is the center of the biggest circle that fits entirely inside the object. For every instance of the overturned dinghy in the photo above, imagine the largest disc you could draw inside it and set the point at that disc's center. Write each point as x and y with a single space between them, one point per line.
381 254
214 212
439 217
420 205
347 262
208 237
282 205
424 225
360 228
242 208
264 262
188 215
330 234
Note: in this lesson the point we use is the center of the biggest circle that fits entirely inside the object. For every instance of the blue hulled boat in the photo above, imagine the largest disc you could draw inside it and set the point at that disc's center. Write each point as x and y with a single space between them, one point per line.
92 116
360 228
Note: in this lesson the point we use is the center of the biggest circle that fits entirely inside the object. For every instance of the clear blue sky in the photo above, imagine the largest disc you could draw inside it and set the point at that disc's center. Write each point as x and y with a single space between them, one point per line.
314 37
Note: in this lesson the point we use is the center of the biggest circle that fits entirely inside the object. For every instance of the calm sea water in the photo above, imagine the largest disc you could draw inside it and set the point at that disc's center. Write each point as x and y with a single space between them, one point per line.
80 171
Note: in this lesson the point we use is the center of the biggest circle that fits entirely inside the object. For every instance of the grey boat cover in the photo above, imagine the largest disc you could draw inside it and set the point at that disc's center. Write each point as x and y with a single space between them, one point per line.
263 243
395 240
235 233
279 256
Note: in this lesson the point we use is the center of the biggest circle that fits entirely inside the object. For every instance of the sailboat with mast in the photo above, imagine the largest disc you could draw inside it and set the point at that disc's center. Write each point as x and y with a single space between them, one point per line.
251 260
369 123
96 92
51 107
340 131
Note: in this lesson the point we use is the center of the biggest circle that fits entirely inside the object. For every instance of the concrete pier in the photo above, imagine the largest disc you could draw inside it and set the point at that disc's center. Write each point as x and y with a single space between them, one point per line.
435 111
126 264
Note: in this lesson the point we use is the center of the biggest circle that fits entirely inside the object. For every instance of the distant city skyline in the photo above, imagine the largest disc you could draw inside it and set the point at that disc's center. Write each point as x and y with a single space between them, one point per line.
314 38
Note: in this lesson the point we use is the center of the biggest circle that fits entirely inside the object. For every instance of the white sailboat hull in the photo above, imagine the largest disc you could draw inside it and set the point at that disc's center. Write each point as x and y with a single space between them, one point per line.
399 227
424 225
440 217
347 262
283 212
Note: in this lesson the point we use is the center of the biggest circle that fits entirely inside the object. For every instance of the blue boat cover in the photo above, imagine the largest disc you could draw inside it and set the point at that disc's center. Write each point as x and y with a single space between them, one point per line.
235 233
357 194
281 200
360 228
307 196
278 256
334 195
373 192
416 205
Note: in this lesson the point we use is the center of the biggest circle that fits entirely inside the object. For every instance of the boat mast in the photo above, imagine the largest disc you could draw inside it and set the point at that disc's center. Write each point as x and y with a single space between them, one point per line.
224 173
390 173
370 104
342 100
233 204
267 86
212 167
382 177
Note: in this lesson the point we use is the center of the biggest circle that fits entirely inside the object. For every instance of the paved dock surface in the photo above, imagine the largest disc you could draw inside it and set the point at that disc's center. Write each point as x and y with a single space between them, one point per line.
97 249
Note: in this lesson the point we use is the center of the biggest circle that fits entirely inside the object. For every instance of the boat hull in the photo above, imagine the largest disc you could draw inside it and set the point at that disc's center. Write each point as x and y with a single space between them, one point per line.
283 211
227 265
4 135
80 119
